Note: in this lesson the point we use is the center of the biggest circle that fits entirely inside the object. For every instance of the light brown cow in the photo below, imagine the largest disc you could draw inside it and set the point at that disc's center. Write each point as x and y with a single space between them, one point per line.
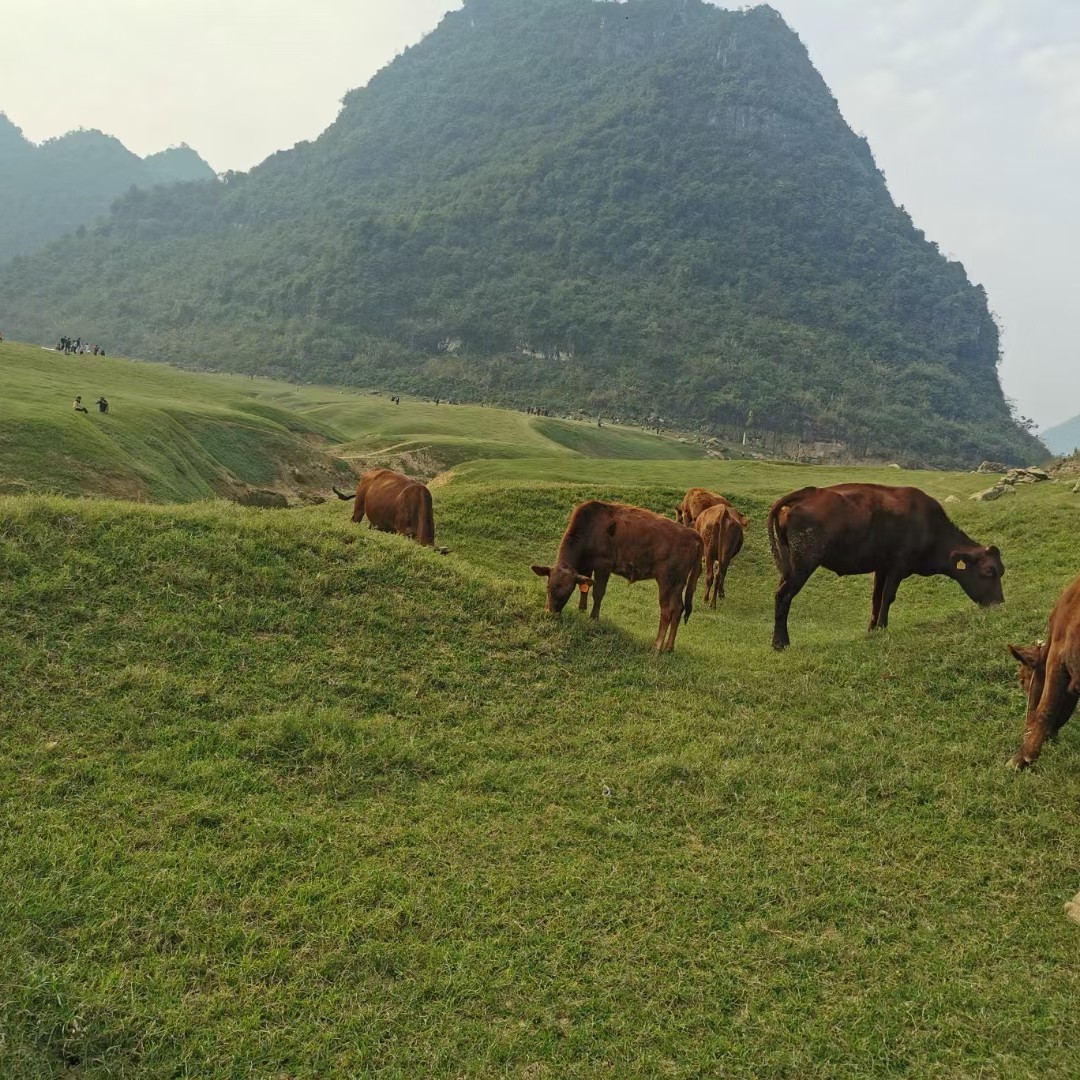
721 529
694 501
394 503
609 538
1050 674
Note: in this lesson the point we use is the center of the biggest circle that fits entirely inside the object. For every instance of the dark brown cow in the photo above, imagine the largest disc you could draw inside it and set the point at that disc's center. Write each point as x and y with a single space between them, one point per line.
694 501
609 538
721 529
393 503
1050 675
890 532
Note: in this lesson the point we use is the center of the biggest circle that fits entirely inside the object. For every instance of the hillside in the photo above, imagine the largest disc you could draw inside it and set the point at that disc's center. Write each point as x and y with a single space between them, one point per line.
284 797
649 208
175 436
71 181
1063 438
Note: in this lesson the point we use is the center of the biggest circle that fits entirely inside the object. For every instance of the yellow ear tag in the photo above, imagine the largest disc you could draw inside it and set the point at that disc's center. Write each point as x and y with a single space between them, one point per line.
961 565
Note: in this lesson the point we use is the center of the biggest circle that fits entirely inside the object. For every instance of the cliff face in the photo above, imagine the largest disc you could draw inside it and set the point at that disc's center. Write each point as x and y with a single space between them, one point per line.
51 189
652 207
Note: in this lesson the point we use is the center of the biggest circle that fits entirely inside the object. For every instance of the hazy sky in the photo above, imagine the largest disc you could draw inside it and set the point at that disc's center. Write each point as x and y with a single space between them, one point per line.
972 109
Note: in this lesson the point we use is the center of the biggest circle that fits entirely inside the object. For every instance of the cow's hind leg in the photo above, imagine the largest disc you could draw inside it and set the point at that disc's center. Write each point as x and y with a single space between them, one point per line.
670 610
1053 709
888 595
786 591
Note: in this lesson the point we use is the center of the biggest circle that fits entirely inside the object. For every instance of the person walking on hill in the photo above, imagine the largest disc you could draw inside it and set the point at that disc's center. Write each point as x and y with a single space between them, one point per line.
78 406
102 404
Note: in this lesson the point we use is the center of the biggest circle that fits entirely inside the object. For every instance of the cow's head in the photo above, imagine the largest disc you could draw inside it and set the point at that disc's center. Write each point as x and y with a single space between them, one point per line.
979 571
561 584
1032 666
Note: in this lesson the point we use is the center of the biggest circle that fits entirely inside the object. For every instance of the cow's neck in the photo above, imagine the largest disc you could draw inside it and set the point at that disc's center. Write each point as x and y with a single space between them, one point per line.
949 540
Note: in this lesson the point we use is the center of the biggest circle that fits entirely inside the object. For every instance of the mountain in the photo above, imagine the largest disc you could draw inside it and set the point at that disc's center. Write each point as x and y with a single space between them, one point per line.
1063 438
51 189
642 208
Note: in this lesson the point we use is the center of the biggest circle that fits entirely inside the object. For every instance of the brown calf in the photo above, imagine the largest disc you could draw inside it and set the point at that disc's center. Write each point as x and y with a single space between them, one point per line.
393 503
721 529
694 501
1050 675
890 532
609 538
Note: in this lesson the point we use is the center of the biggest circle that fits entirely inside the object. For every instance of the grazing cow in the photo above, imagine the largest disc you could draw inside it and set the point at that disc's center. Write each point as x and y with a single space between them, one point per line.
694 501
721 529
609 538
393 503
1050 675
890 532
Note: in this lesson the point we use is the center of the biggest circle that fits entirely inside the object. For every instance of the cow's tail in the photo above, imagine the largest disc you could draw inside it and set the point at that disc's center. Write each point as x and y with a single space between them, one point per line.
688 591
425 519
781 551
343 497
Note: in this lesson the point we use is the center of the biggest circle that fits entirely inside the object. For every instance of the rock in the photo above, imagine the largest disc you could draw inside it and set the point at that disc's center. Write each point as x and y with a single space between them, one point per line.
1076 489
892 465
1037 473
1024 478
267 500
992 466
988 494
1072 908
952 498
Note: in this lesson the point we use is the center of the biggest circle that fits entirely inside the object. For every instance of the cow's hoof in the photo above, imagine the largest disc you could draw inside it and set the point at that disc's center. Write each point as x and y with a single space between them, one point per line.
1018 762
780 646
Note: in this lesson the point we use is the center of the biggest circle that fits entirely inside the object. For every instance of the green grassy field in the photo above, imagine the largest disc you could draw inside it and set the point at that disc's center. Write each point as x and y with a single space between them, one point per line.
175 436
285 797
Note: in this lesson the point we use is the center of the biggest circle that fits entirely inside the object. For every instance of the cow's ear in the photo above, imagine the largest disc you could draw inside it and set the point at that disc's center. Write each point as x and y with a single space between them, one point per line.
959 559
993 552
1030 656
541 571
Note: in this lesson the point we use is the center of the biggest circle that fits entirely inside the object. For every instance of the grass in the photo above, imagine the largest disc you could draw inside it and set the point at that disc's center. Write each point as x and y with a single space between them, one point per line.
175 436
286 797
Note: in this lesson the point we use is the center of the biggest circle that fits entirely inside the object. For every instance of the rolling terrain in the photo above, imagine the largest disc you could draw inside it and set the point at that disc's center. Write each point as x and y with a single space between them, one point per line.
287 797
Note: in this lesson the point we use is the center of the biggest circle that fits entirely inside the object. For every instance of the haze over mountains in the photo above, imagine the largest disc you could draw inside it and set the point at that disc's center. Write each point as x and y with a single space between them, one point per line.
648 208
51 189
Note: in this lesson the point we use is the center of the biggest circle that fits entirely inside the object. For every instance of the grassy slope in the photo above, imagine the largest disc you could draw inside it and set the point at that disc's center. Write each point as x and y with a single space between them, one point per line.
176 436
284 797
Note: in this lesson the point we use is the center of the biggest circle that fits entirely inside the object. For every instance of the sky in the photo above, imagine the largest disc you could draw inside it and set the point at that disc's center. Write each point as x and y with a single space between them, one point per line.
972 109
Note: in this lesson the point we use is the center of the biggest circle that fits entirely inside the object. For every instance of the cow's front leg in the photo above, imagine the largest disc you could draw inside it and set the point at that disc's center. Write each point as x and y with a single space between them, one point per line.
600 580
1044 718
888 595
875 602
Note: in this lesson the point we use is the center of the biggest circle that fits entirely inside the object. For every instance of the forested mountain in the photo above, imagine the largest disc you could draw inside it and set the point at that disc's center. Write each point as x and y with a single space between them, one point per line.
651 207
48 190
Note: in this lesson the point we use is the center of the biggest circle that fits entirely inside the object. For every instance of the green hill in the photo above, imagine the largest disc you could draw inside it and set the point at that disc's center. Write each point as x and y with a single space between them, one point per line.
72 181
284 797
177 436
649 208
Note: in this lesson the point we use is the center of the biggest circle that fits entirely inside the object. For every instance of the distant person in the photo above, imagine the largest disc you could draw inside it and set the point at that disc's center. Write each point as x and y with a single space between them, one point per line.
102 404
78 406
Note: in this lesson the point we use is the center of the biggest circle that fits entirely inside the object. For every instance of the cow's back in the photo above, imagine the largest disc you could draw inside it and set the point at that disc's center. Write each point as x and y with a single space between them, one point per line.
860 528
381 497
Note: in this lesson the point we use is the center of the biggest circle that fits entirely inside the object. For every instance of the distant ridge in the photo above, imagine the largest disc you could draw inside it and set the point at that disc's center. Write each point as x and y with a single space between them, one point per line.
1063 438
51 189
651 208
